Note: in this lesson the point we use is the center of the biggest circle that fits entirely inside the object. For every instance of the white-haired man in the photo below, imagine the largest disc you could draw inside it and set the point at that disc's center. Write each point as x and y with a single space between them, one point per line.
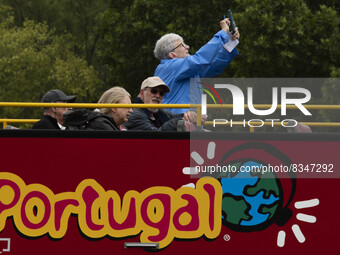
177 66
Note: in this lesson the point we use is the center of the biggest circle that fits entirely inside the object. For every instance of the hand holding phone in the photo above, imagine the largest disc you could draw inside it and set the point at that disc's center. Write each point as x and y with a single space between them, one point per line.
231 44
232 23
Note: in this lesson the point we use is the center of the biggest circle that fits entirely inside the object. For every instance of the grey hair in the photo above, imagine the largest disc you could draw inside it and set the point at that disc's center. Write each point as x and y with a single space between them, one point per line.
165 45
112 96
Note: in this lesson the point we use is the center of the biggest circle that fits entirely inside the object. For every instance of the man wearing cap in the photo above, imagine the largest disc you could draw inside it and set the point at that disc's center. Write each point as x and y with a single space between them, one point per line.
152 91
53 116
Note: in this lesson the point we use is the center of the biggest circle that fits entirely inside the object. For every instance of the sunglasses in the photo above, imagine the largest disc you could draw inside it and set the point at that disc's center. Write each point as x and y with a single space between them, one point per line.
155 91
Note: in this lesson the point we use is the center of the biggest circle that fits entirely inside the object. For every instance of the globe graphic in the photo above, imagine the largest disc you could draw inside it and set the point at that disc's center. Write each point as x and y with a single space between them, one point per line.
250 199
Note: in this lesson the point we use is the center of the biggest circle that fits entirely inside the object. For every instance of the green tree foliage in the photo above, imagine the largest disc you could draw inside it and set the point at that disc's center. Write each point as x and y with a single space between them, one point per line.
80 18
34 60
286 39
316 4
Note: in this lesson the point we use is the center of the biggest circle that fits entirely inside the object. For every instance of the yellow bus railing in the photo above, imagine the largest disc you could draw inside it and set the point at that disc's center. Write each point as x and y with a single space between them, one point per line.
197 107
94 105
79 105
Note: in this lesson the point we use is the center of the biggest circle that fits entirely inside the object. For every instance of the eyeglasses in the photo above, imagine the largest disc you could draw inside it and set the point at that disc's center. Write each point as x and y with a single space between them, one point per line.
155 91
182 43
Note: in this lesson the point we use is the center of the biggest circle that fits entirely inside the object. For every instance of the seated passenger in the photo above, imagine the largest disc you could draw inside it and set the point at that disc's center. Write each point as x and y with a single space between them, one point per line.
53 116
152 92
107 118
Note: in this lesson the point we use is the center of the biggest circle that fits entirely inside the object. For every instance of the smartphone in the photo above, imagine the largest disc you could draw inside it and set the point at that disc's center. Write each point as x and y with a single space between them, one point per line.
232 23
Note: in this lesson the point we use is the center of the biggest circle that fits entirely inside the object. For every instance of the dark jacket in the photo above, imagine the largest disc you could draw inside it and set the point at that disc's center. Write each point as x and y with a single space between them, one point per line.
88 120
47 122
141 119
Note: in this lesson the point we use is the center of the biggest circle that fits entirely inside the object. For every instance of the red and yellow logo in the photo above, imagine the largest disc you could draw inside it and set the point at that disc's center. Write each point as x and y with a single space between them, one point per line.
160 214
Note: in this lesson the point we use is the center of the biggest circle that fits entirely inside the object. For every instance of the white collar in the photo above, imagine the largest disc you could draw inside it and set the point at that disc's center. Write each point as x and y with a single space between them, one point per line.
61 127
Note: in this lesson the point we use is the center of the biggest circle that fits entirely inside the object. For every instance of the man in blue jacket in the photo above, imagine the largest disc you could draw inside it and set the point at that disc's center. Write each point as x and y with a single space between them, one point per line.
177 66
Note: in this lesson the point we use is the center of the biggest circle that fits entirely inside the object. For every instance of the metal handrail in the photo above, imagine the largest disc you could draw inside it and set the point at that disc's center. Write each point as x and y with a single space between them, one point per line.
78 105
95 105
90 105
186 106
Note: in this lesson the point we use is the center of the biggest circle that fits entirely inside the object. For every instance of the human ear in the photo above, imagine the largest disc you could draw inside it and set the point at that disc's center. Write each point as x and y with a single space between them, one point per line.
142 94
172 55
